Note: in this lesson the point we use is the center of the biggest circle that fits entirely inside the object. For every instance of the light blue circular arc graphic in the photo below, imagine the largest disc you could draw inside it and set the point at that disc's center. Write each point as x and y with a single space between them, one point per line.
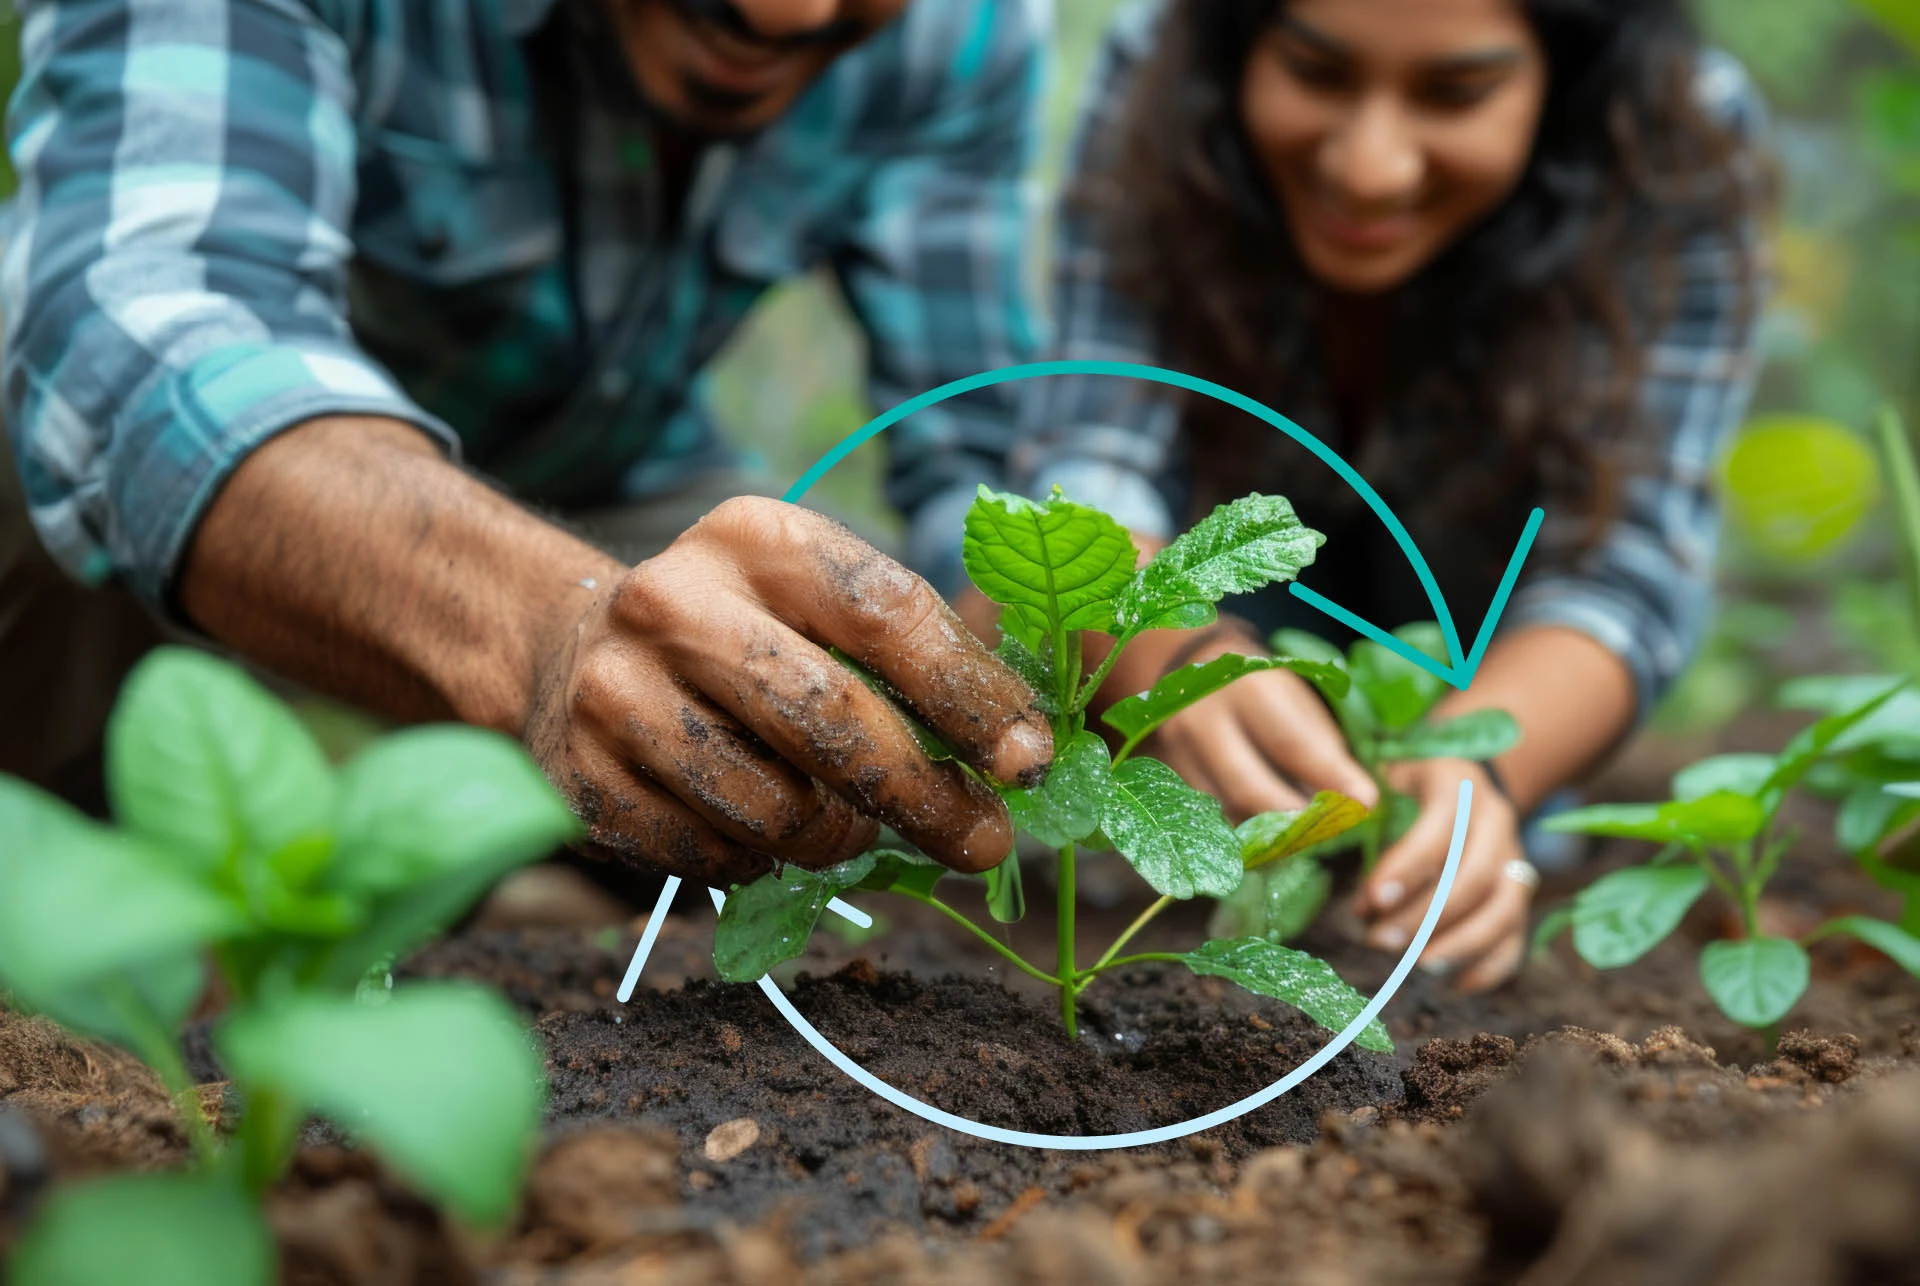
1179 1129
1463 810
1177 379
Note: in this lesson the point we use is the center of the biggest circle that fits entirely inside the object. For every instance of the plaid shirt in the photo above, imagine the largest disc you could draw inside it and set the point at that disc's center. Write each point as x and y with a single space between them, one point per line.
1644 593
235 215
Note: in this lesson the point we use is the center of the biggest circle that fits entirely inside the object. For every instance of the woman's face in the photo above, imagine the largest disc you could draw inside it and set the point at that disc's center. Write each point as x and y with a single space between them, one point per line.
1388 128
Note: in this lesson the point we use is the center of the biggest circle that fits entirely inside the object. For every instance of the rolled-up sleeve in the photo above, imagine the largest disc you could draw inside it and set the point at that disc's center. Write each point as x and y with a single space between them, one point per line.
937 266
1103 440
174 283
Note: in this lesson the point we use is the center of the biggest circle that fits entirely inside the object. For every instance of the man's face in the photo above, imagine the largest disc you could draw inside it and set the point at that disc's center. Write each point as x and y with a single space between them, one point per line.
725 67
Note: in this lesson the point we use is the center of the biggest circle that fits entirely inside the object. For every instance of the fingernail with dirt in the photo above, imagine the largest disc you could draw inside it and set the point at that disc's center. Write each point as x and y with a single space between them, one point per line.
1023 754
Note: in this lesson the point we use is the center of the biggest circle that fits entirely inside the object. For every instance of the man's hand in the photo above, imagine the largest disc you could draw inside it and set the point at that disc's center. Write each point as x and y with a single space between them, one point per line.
698 723
687 707
1264 742
1481 937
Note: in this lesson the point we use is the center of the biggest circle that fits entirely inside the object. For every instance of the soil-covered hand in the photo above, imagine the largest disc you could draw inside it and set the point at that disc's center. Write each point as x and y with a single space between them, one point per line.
1265 742
1481 937
698 724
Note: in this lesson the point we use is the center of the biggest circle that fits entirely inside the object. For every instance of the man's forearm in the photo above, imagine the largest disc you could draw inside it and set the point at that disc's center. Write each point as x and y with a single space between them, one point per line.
1572 697
349 555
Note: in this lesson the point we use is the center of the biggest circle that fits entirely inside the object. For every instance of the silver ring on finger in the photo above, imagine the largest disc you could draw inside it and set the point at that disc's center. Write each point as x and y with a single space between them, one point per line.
1523 873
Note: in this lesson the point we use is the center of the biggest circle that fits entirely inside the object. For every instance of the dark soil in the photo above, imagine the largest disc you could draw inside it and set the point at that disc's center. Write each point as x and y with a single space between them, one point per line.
1573 1127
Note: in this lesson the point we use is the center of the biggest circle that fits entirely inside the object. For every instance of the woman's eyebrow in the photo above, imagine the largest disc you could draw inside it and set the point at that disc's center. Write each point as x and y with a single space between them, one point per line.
1477 60
1307 34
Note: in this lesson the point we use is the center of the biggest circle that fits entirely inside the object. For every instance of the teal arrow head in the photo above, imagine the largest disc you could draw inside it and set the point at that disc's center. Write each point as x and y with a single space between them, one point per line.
1460 669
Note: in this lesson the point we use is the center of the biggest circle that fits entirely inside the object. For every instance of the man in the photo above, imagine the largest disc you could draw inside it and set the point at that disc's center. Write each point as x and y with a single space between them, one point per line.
278 264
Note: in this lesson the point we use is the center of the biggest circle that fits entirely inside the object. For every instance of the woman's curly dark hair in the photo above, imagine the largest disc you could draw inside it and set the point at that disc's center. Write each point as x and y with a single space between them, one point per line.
1523 343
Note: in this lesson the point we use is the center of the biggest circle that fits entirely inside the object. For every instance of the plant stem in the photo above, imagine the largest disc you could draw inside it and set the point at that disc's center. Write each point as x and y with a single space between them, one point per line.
1013 957
1064 934
268 1131
1126 936
156 1047
1140 958
1905 485
1099 676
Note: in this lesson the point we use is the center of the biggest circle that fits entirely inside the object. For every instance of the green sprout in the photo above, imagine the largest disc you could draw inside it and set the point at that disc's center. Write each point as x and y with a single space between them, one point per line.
238 843
1059 570
1721 830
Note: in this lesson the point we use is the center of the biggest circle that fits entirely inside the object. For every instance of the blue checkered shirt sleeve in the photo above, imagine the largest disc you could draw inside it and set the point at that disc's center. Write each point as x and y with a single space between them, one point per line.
173 282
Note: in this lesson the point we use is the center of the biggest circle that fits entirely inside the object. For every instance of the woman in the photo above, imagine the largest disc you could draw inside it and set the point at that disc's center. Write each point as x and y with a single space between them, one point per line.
1498 254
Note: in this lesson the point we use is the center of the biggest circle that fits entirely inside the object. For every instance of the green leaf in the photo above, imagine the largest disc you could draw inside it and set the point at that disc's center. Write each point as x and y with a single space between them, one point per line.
1173 835
80 904
1397 692
1478 734
769 920
134 1006
1270 837
1891 726
1755 981
1035 668
1308 984
1743 774
1306 646
1065 808
154 1229
1552 925
895 871
1721 817
1135 716
1060 561
443 1080
1809 744
1006 893
1867 814
1239 547
1889 939
1622 916
1276 902
208 766
421 802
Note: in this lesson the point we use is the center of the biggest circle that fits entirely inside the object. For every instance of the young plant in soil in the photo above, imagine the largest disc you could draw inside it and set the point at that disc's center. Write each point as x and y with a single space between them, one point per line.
1059 570
238 842
1720 830
1387 718
1874 772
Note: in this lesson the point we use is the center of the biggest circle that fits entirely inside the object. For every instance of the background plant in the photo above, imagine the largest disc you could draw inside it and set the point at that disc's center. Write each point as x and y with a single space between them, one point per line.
1386 714
1060 570
1721 830
238 842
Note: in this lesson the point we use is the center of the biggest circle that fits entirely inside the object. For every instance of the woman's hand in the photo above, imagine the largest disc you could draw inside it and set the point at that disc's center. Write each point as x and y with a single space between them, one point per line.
1264 742
1481 937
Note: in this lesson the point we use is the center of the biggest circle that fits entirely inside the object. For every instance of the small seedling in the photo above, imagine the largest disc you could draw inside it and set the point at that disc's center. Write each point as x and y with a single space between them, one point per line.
237 842
1059 570
1720 830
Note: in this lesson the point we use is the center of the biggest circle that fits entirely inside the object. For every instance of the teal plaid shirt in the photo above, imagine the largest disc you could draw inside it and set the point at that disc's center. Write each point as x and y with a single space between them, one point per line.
235 215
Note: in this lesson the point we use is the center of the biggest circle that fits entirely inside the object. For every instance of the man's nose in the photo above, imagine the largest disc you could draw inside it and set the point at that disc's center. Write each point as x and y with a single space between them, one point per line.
1373 156
785 19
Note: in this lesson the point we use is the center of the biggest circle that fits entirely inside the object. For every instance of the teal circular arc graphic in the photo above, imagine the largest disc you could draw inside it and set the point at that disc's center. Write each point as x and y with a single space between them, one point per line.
1462 811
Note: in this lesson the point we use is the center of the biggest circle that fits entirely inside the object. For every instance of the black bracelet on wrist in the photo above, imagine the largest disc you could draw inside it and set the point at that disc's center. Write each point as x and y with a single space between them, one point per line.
1494 776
